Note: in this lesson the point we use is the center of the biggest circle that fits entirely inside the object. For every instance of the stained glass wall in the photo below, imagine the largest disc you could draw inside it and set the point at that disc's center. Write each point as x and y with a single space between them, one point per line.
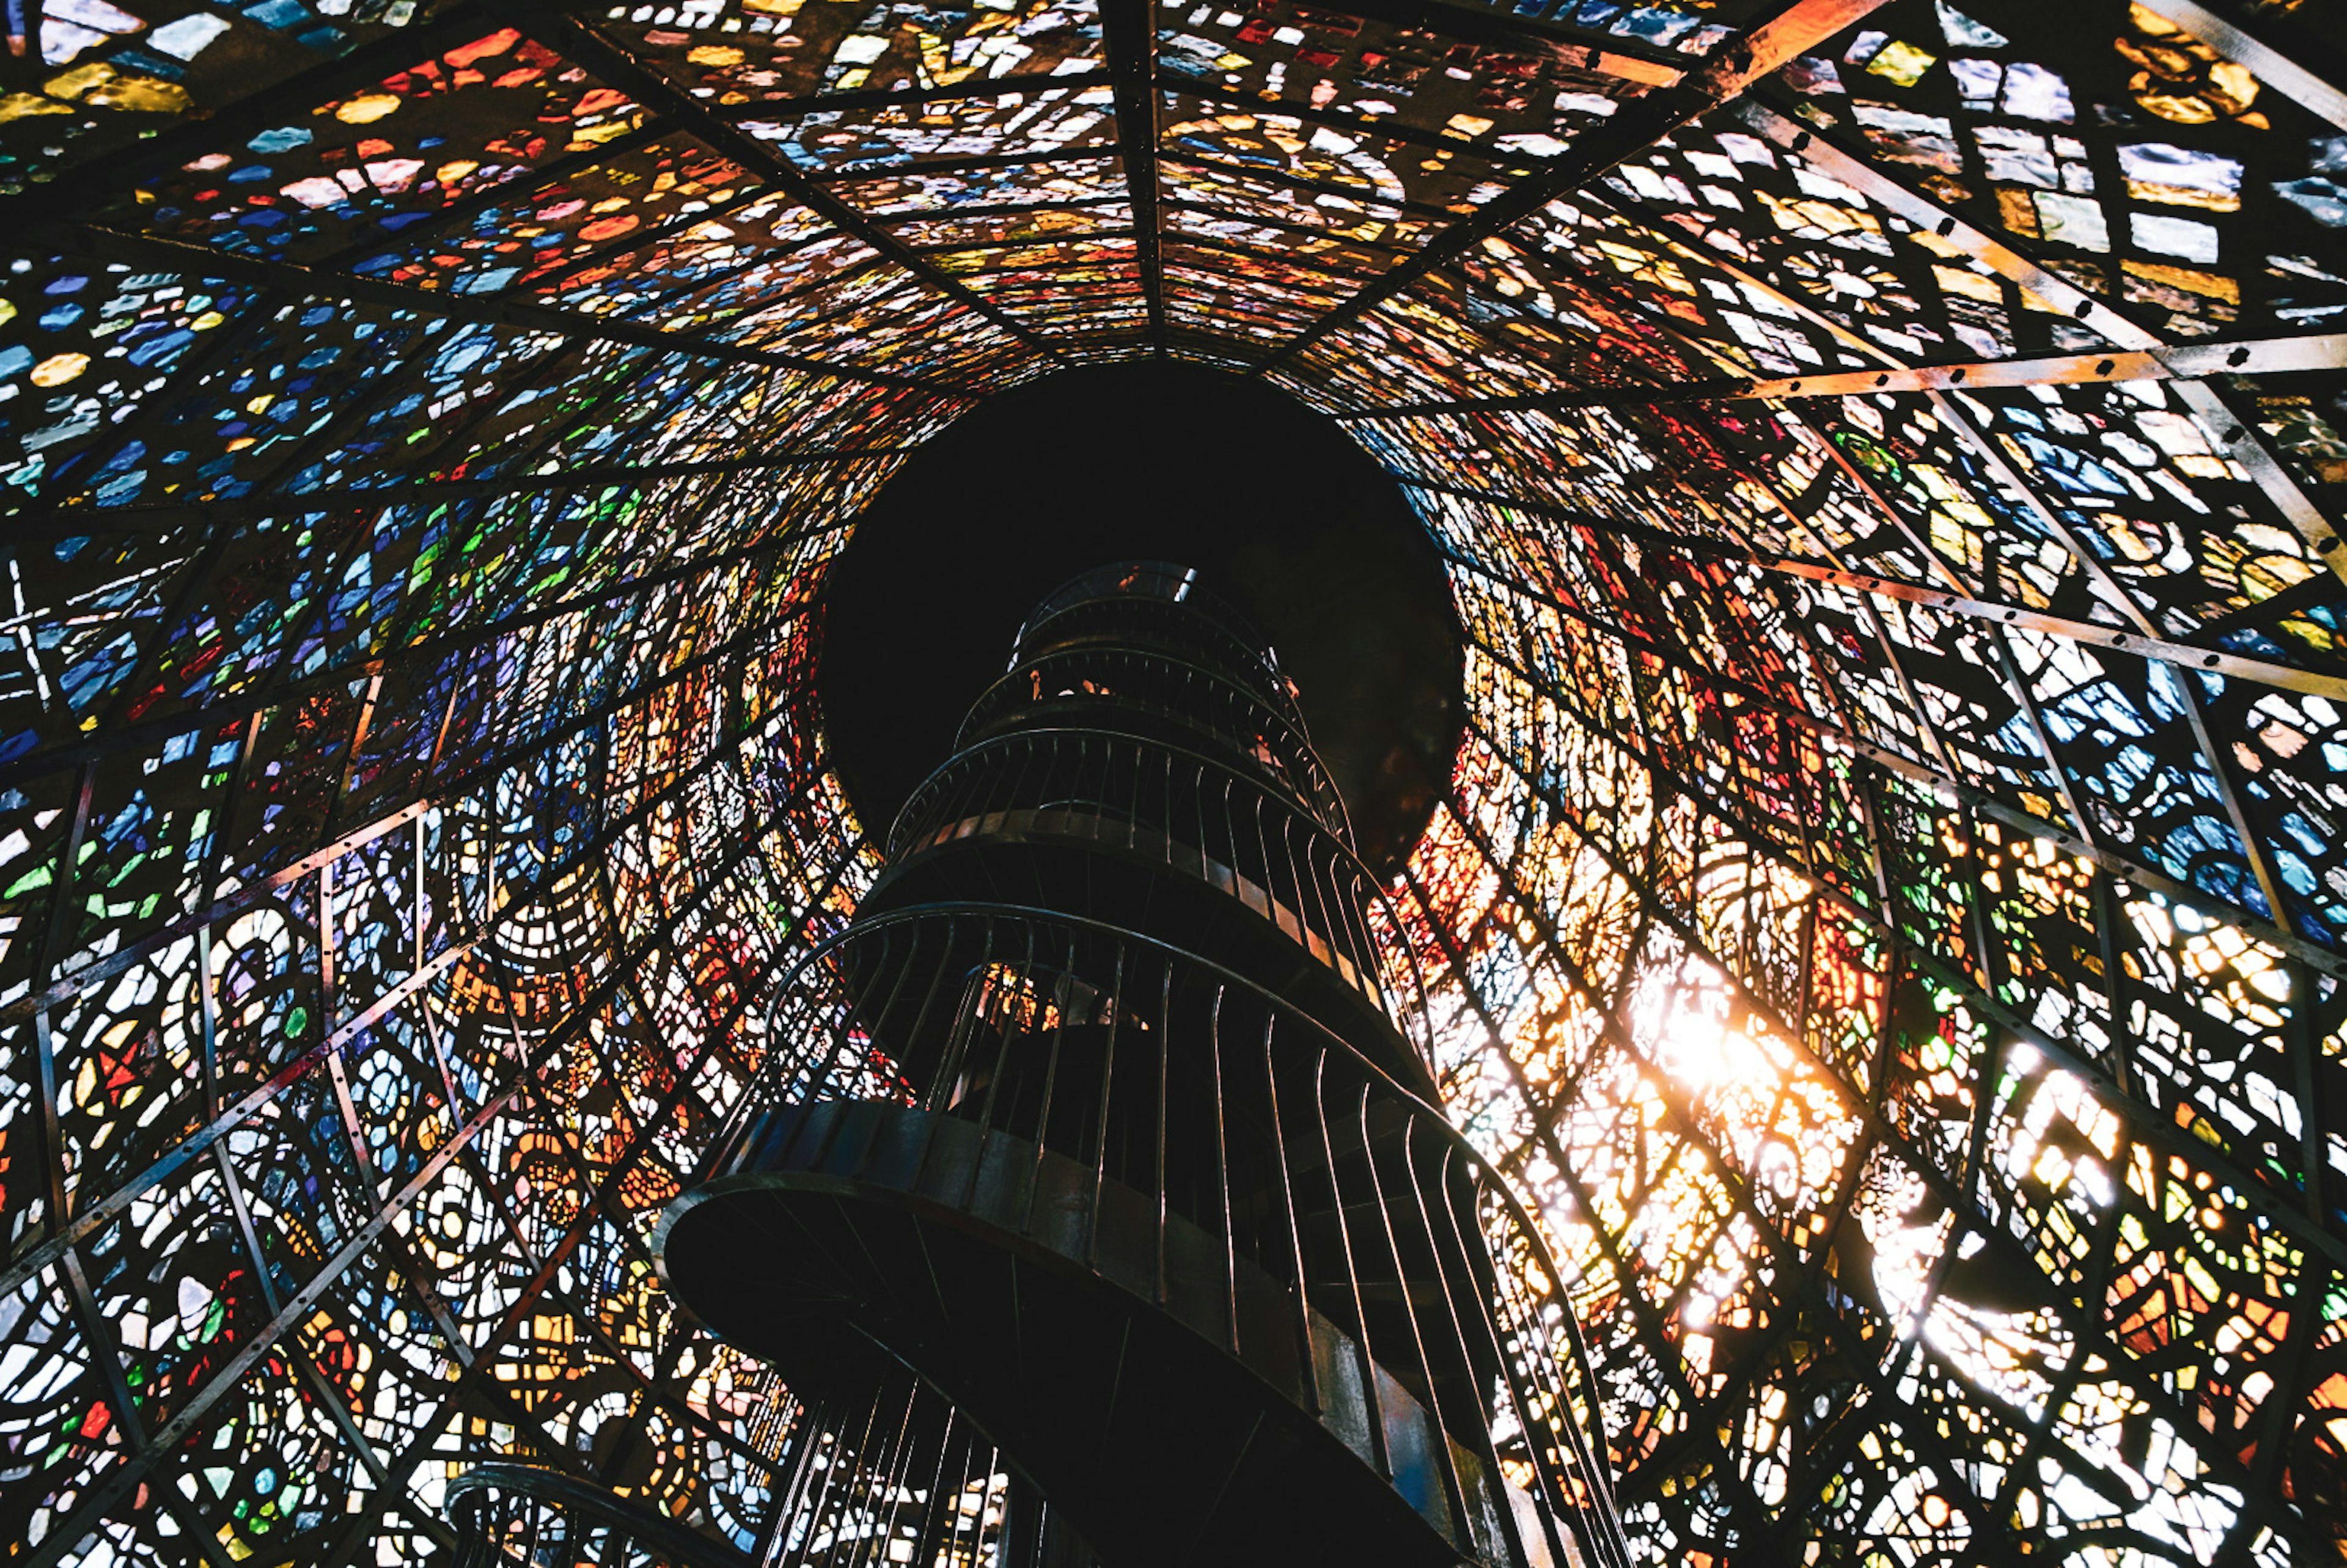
1888 909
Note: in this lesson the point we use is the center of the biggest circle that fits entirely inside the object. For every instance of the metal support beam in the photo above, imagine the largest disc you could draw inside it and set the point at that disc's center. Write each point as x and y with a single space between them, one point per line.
2269 64
1792 30
66 522
2256 356
86 188
2240 442
100 1498
155 252
2082 1315
613 65
1944 785
96 1210
2183 655
1597 53
603 1208
2198 395
2153 1124
759 113
1726 1169
1967 589
229 906
1129 29
2222 769
149 732
1745 1504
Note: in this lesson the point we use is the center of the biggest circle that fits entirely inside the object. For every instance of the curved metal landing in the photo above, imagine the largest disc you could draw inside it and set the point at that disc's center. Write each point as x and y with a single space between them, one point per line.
1178 1401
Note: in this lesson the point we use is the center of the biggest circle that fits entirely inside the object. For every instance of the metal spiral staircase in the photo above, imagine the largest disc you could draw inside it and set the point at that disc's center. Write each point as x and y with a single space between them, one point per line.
1101 1119
888 1474
518 1513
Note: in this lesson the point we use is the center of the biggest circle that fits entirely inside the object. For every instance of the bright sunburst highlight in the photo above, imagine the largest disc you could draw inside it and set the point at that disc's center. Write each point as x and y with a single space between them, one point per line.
1693 1029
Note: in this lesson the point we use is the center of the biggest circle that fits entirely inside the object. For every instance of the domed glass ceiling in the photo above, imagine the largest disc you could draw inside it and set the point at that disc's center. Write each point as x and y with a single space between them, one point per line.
1888 910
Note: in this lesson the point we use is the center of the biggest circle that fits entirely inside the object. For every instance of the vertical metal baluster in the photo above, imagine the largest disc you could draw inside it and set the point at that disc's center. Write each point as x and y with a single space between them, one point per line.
1108 1082
877 1028
1222 1169
901 1456
1002 1540
1352 1280
1566 1435
1164 1065
1008 1027
1014 788
1513 1376
1305 843
1450 1484
1167 837
856 1468
1308 1337
1349 888
1330 925
1135 762
1273 894
784 1494
1228 826
1477 1423
1100 763
1013 1030
941 1076
1283 828
1051 1081
1423 1035
925 1539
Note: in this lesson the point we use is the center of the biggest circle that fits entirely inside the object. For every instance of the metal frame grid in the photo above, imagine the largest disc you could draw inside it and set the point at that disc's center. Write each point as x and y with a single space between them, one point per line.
1889 914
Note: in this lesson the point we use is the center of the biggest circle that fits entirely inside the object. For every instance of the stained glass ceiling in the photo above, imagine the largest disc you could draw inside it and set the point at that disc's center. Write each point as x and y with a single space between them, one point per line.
1887 911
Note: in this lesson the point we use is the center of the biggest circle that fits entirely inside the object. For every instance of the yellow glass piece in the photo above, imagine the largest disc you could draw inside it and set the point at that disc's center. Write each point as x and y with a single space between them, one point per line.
1903 63
16 105
142 95
58 369
367 109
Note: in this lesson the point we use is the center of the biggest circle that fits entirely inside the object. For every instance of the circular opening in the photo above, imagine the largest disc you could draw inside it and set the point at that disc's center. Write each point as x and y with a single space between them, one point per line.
1279 511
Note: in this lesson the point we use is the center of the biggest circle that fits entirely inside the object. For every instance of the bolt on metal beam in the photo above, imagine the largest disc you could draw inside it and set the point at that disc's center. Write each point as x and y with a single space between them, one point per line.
1130 36
2000 257
2257 356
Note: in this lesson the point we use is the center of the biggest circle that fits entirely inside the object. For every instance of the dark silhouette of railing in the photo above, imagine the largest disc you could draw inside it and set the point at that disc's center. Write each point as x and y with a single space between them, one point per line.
1344 1252
513 1515
1181 810
890 1474
1113 681
1128 600
1099 1118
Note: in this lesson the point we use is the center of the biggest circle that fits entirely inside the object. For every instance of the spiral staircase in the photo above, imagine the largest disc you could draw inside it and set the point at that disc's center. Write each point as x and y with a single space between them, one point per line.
1103 1120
